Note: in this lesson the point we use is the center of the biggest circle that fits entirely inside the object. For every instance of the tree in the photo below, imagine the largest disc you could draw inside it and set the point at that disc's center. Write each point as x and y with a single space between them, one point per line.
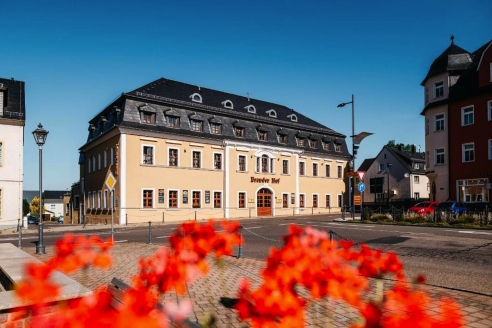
393 144
25 207
35 207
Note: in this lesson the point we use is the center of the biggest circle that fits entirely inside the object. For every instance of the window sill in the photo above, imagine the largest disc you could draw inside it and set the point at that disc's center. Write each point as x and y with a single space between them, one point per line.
464 162
285 174
148 209
237 171
463 125
436 131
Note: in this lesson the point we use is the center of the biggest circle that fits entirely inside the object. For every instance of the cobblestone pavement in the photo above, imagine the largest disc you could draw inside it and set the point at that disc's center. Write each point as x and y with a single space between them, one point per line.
222 284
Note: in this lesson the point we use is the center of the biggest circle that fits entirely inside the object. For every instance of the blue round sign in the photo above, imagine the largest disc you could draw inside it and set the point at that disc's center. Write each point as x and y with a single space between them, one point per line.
361 186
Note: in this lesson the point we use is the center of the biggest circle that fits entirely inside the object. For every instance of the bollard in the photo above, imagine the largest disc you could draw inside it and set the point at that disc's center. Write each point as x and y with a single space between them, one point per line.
195 215
126 219
18 225
163 217
150 232
20 236
240 251
293 211
249 211
343 212
312 210
331 235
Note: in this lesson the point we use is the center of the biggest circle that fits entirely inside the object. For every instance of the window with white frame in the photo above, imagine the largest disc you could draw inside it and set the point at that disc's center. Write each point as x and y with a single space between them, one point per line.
426 126
285 166
382 167
196 159
315 200
339 172
315 169
469 152
173 157
265 164
196 98
328 170
241 200
105 159
172 121
490 149
302 168
196 199
241 163
438 89
148 155
285 200
147 198
89 166
172 198
89 199
215 128
416 179
217 161
99 200
94 163
239 131
228 104
439 156
439 122
312 143
105 203
98 161
217 199
302 203
339 200
416 195
112 157
327 201
196 125
467 116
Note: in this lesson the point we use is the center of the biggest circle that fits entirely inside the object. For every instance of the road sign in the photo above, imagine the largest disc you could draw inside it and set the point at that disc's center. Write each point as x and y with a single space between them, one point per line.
361 186
361 175
110 181
357 200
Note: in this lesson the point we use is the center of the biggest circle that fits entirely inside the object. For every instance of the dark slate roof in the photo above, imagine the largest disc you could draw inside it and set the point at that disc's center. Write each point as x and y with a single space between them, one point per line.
54 194
407 158
171 98
452 59
467 85
366 164
14 98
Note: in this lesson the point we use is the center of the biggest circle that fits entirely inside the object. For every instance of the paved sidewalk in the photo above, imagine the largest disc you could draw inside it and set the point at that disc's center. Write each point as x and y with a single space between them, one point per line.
207 292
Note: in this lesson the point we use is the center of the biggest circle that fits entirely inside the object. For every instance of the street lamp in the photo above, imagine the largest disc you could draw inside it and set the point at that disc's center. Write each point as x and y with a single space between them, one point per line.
40 136
356 140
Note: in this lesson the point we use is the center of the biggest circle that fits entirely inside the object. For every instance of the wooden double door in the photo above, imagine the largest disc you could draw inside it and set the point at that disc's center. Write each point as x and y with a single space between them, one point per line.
264 202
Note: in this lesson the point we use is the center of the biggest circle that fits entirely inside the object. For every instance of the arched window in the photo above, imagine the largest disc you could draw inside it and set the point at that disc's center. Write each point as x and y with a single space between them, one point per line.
251 109
196 97
228 104
265 164
272 113
293 117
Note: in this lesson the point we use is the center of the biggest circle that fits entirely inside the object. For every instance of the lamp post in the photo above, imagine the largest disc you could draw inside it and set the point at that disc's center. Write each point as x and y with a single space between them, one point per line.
40 136
356 140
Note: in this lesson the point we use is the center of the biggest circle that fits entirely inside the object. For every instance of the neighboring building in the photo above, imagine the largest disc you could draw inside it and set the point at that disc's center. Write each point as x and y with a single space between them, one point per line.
53 202
458 124
74 213
12 122
180 151
400 172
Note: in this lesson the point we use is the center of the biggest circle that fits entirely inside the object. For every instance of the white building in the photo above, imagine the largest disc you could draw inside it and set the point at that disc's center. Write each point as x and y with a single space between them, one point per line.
12 121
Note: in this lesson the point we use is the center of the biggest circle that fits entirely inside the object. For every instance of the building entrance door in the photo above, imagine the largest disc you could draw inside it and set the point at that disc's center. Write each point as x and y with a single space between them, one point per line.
264 202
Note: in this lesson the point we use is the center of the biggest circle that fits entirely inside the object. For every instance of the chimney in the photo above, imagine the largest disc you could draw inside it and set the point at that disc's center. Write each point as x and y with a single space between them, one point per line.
413 149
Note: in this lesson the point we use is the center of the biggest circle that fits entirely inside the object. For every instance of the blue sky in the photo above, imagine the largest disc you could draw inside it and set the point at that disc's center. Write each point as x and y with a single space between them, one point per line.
77 56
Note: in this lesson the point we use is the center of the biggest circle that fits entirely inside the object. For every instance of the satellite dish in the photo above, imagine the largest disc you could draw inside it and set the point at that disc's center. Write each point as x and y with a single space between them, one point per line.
406 175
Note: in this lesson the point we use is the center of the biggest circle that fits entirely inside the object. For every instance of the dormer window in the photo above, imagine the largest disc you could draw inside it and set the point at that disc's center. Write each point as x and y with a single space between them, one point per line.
215 128
251 109
271 113
326 145
196 125
312 143
338 148
438 89
300 141
196 97
293 117
262 135
239 131
147 117
172 121
227 104
282 138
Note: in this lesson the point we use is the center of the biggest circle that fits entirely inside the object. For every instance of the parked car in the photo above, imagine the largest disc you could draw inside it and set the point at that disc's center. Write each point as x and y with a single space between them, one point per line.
31 219
454 208
423 208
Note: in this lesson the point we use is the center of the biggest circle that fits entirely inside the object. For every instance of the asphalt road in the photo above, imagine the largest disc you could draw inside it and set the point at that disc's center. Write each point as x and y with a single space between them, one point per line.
449 257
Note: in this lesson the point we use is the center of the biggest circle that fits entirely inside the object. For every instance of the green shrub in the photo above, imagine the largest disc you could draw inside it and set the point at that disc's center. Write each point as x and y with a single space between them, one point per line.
367 214
463 220
380 218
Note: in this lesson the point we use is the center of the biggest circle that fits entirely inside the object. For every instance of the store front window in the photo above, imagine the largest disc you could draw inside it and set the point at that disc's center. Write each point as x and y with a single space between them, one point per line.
472 190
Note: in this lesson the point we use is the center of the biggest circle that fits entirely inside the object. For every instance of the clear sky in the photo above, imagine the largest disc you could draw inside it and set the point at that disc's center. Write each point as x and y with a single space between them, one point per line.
78 56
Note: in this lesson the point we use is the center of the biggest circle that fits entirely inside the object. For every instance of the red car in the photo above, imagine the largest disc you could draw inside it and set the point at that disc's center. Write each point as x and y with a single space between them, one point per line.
423 208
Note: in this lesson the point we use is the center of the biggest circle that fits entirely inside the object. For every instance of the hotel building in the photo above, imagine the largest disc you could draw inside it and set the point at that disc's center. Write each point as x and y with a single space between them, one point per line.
172 151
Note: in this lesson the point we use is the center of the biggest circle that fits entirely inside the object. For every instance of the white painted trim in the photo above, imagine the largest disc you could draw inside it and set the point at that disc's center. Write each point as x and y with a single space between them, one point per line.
179 157
317 169
243 149
202 198
481 57
316 158
142 154
227 177
148 139
282 167
166 199
245 163
286 154
196 145
303 194
191 158
251 146
122 178
245 200
288 199
222 166
212 199
329 204
153 199
312 199
174 142
217 147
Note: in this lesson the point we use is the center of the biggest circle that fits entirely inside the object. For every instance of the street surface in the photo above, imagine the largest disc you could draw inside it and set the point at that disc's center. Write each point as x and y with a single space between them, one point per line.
449 257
